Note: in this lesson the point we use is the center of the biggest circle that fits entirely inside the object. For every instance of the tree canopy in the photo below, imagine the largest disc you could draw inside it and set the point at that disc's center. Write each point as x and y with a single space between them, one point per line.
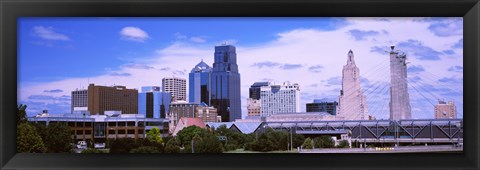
58 138
21 114
186 134
172 146
203 141
323 142
308 144
123 145
28 140
272 140
154 136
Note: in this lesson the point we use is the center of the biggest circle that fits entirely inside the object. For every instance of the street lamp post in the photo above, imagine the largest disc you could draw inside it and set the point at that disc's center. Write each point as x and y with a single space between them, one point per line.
193 150
291 139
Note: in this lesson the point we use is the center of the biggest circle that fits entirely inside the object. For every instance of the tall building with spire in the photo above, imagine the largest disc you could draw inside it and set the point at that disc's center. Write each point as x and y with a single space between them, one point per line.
226 83
352 102
399 97
199 84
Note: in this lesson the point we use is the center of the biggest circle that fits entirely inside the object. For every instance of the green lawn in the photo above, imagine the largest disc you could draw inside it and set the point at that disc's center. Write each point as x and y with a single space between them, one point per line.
244 151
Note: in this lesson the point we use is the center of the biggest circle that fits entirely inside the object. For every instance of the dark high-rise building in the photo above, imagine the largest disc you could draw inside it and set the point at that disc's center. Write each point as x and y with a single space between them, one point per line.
254 91
118 98
226 83
323 106
199 84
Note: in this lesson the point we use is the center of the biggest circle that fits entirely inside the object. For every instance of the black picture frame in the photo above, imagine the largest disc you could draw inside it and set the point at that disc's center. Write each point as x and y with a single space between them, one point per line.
10 10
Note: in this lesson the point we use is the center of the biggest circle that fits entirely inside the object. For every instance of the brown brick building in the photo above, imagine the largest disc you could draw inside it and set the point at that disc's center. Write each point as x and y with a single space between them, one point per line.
102 98
444 110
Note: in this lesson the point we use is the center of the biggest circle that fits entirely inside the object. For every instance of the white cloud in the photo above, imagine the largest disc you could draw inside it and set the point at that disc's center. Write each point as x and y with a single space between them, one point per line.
198 39
179 36
134 34
308 48
227 41
48 33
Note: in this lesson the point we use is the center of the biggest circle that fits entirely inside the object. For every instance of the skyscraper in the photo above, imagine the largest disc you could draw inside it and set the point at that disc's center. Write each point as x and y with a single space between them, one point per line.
444 110
352 104
399 97
226 83
118 98
199 83
283 98
176 86
153 103
79 99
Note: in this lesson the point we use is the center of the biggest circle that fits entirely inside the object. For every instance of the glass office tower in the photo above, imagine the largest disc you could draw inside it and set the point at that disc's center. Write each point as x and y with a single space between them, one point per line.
153 103
199 84
226 83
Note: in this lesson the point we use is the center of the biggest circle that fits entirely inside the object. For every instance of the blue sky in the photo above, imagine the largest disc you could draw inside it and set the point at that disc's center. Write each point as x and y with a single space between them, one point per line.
58 55
85 35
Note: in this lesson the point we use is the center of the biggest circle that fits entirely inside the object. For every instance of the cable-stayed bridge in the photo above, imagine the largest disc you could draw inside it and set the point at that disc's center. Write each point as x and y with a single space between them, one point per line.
446 131
379 84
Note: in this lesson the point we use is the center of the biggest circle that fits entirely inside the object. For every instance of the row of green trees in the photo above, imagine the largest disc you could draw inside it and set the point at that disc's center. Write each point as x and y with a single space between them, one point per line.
39 138
153 143
323 142
272 140
204 141
190 139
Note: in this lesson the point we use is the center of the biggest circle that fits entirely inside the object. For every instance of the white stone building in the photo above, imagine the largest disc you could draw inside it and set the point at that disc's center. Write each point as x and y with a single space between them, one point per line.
352 102
176 86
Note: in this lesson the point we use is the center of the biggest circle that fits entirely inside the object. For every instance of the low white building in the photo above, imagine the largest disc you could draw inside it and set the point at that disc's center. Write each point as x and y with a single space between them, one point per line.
300 116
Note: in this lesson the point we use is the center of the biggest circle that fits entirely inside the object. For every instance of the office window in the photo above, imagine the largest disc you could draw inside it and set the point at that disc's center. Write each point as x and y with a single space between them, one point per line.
121 123
71 124
88 124
130 123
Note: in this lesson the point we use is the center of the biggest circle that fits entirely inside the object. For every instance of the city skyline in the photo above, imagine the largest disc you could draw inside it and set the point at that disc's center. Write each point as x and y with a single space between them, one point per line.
283 53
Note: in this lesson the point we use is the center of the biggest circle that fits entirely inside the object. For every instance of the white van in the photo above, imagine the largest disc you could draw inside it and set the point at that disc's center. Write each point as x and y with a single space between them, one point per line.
99 145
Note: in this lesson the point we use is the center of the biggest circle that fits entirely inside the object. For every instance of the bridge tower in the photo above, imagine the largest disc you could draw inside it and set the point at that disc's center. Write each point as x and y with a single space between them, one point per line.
399 97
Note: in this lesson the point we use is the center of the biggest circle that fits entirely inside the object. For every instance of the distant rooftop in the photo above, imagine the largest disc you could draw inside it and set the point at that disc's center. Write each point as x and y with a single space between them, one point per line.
201 67
323 100
259 84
